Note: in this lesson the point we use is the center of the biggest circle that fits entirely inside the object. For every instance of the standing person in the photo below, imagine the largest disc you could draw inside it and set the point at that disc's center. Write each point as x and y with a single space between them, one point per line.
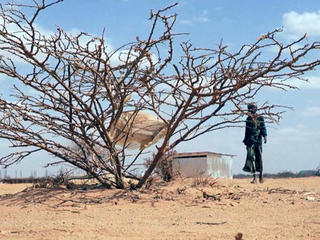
255 131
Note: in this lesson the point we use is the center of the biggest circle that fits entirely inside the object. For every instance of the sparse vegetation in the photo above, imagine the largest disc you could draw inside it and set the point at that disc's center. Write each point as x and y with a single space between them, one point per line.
164 167
284 174
202 180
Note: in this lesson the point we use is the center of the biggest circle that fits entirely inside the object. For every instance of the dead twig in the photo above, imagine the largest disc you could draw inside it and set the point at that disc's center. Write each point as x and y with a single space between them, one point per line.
211 223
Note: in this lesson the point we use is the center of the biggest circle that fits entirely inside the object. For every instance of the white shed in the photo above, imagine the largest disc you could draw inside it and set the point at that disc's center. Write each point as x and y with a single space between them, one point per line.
212 164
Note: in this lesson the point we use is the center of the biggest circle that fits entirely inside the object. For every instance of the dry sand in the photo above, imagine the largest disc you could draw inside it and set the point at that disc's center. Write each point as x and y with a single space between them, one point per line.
183 209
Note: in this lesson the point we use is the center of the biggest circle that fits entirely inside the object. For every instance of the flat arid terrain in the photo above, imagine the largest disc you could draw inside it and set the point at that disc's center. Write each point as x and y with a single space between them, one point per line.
200 208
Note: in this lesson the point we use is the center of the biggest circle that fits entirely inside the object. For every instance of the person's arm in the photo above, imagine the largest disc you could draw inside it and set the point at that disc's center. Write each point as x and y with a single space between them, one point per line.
263 129
247 133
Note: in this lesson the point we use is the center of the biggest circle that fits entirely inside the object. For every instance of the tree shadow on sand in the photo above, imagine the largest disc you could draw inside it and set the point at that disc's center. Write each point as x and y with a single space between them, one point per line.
187 192
60 196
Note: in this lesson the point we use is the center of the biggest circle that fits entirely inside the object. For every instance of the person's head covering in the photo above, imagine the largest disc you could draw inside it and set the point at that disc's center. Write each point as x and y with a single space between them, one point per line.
252 108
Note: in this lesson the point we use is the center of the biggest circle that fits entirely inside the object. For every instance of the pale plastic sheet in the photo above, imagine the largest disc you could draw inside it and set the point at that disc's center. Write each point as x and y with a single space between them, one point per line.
138 130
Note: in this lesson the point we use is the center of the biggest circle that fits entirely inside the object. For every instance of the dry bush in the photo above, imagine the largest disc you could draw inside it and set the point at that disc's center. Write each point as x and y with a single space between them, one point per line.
66 88
203 181
164 167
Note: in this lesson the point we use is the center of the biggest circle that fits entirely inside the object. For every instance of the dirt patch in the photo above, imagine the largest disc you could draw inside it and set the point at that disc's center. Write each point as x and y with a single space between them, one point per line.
183 209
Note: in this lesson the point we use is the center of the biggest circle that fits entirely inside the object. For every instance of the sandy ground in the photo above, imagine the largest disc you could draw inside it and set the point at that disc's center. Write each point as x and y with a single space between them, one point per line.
184 209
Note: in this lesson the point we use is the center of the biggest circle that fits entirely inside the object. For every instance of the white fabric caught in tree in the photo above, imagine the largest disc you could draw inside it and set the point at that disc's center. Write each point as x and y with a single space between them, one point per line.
138 129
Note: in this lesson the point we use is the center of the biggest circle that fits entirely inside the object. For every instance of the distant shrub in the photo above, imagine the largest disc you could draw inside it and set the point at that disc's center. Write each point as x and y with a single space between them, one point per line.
284 174
308 173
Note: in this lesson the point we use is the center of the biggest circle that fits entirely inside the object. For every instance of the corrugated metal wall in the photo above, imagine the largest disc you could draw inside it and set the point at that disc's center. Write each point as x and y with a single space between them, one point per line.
190 166
219 166
211 164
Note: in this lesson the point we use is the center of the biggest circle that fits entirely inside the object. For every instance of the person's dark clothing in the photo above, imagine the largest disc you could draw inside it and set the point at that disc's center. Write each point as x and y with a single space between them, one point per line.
254 159
255 130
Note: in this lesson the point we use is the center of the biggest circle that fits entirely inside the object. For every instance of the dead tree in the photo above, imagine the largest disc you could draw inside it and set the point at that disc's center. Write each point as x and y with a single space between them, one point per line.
72 91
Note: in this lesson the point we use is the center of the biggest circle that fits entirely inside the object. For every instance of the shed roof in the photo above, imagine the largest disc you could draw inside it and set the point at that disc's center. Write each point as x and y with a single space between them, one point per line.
199 154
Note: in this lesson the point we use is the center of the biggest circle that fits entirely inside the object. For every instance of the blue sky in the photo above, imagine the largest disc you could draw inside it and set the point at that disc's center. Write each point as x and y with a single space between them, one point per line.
292 145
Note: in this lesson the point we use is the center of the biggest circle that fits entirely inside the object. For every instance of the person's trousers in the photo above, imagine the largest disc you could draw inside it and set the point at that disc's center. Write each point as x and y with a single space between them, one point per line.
254 159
